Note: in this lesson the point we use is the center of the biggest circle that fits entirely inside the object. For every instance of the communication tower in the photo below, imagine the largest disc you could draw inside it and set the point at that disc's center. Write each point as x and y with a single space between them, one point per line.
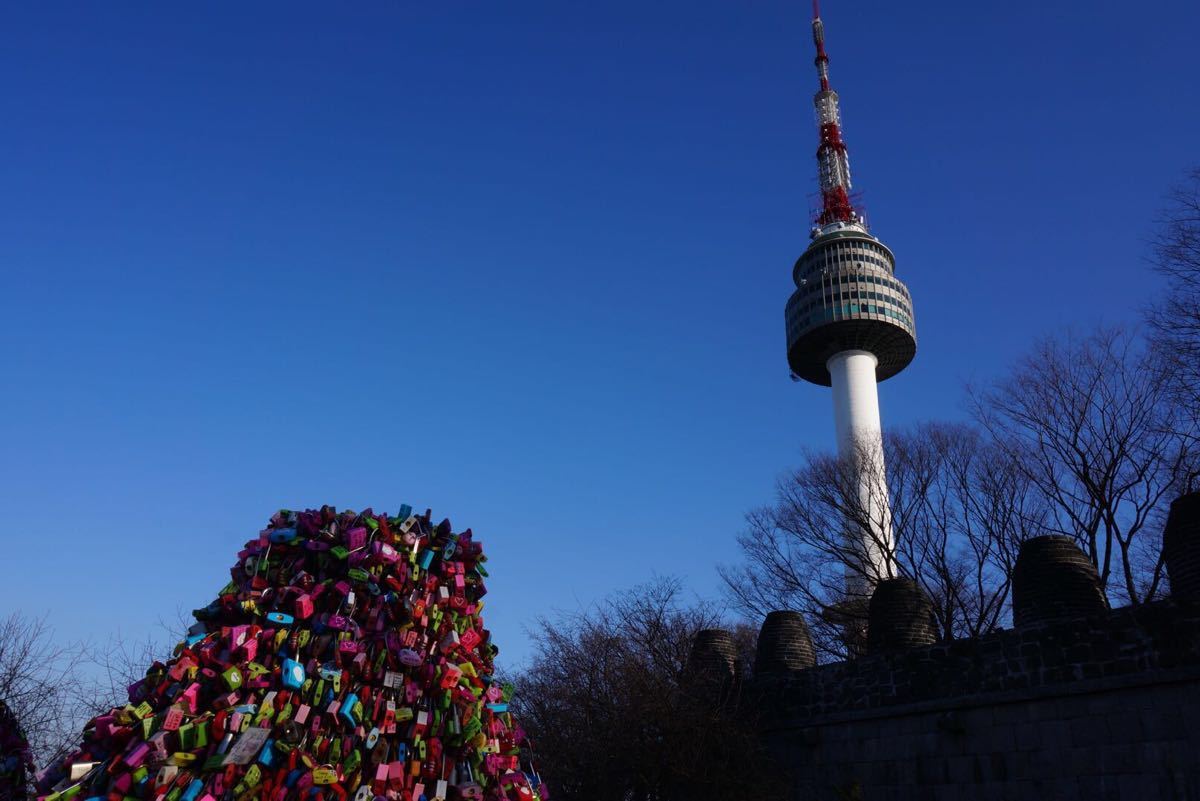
849 326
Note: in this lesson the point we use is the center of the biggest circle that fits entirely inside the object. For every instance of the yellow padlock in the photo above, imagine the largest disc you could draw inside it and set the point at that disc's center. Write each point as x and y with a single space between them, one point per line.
324 775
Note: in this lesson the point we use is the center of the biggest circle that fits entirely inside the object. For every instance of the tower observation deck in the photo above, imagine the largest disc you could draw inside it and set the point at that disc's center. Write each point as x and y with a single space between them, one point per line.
849 326
848 298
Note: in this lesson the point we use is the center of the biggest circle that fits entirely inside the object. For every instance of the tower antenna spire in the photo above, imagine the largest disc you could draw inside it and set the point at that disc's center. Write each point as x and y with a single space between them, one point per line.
833 160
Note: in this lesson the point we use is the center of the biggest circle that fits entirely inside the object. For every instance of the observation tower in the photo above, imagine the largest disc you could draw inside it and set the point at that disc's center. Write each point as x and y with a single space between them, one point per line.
849 326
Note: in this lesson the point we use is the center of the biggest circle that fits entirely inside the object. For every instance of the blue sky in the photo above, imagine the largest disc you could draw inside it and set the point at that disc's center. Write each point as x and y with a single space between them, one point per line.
524 263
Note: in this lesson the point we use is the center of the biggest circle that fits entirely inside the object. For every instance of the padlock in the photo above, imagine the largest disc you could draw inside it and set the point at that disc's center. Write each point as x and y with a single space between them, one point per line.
293 675
372 738
351 710
290 733
233 678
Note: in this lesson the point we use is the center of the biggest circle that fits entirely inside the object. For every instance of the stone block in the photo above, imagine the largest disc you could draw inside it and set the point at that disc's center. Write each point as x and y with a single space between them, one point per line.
1019 765
1123 758
1089 731
960 769
1000 738
1098 788
931 770
1011 713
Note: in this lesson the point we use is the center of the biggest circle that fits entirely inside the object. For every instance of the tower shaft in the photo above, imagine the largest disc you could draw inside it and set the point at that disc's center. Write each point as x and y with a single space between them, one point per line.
860 447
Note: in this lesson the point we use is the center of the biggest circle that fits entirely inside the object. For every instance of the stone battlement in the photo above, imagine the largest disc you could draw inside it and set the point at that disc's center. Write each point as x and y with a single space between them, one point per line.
1133 645
1075 701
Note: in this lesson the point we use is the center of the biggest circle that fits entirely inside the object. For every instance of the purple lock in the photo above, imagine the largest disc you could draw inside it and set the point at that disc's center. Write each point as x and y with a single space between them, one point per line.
138 755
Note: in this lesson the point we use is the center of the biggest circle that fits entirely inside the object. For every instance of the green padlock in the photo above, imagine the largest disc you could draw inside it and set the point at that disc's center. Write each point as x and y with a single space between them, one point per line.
186 734
233 678
200 740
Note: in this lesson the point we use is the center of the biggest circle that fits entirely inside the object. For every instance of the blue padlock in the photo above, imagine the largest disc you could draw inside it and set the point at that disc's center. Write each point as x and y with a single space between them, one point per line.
293 674
347 711
267 756
193 790
281 535
282 618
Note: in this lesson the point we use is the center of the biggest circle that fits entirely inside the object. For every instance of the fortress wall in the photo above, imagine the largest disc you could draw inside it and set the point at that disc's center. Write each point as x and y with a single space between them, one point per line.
1105 707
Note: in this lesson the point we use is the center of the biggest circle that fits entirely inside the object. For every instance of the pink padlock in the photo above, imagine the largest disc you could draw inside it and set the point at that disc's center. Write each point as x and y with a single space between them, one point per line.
450 676
250 649
173 720
396 775
190 697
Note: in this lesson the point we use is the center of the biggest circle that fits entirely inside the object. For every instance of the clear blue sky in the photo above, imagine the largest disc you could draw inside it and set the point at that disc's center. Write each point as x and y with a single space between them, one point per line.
524 263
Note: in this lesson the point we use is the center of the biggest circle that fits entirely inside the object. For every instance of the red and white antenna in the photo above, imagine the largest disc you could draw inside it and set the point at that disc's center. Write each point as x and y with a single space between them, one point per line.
833 162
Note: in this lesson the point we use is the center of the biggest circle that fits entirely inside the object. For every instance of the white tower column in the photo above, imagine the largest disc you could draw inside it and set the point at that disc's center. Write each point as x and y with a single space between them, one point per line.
860 443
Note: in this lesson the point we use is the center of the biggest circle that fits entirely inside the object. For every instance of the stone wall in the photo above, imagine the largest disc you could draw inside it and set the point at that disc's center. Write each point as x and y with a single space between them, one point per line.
1103 707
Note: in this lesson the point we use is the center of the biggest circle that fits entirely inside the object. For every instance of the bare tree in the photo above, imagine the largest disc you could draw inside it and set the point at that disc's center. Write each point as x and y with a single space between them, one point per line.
40 683
607 703
1092 422
16 760
1175 253
52 688
964 508
111 668
1175 318
958 510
